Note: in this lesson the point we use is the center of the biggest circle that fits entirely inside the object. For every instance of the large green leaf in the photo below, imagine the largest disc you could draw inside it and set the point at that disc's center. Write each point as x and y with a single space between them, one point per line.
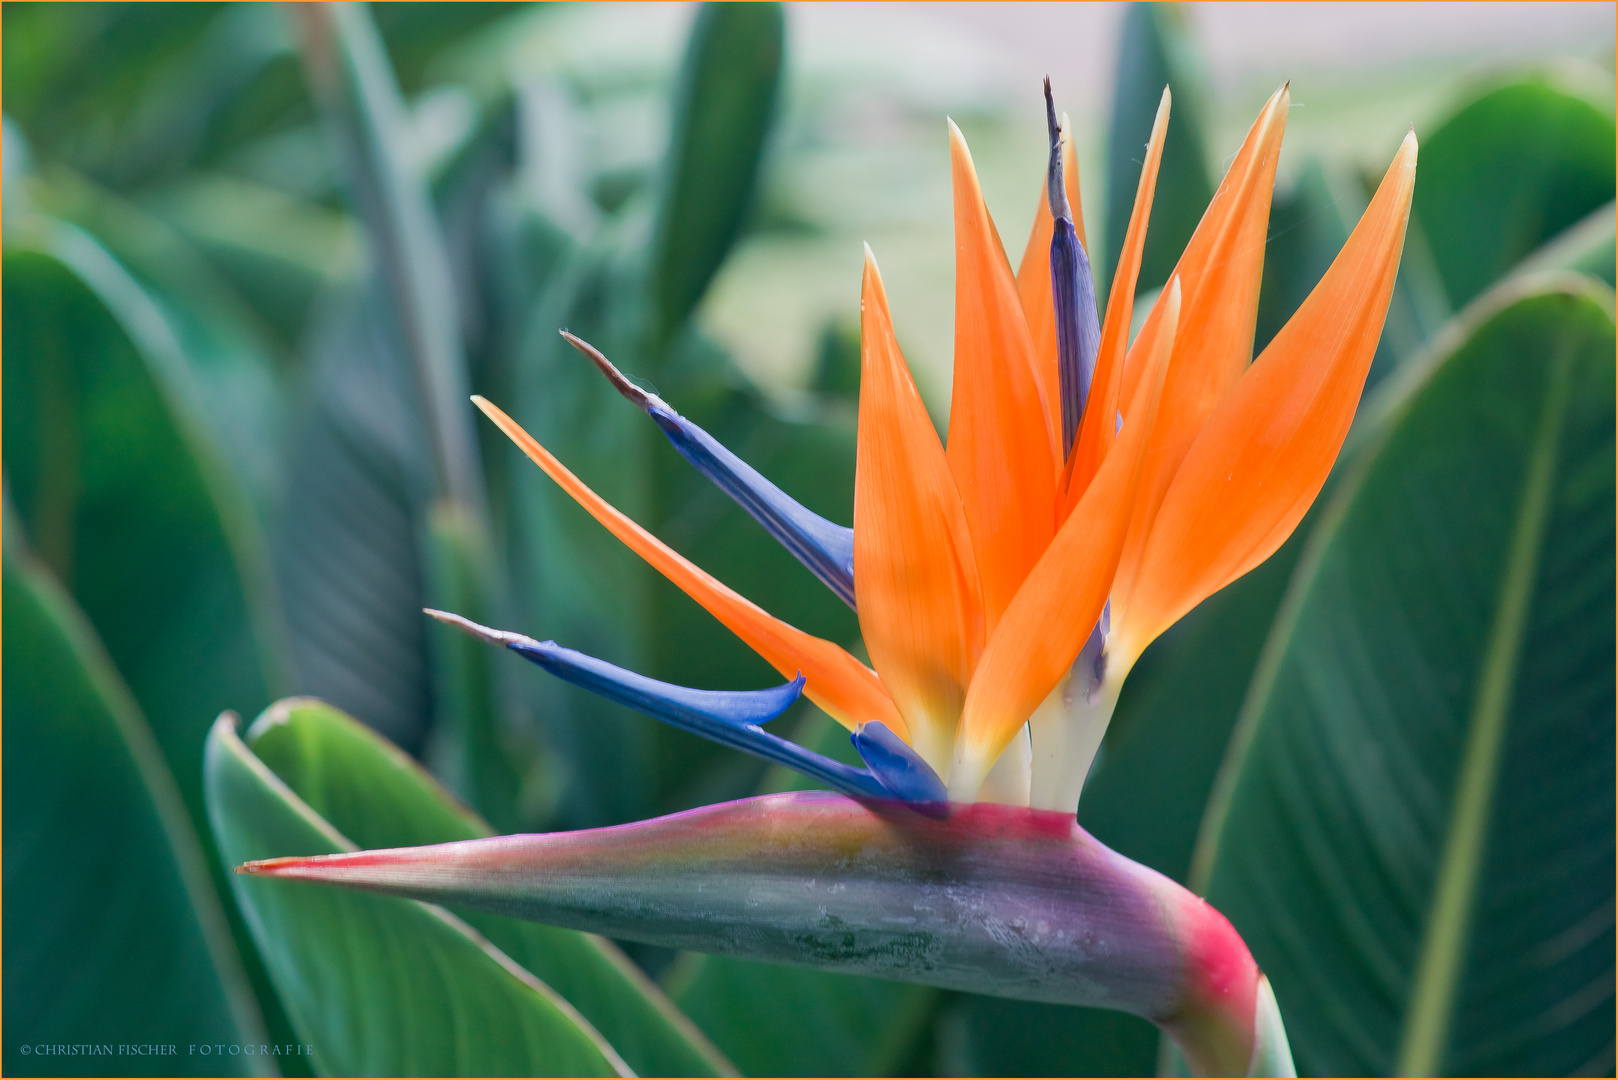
1157 49
724 104
127 495
1506 173
378 797
1413 829
381 986
114 935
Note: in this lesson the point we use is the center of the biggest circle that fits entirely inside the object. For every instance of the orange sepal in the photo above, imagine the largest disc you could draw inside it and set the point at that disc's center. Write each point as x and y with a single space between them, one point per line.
1265 452
1034 278
1220 274
915 579
1048 623
848 690
1001 450
1098 430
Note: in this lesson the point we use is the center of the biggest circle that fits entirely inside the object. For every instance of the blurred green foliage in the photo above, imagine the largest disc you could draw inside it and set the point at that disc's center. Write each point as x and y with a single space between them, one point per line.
255 260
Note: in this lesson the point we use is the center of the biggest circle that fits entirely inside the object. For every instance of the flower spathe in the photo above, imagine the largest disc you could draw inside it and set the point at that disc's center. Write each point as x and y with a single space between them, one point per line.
982 565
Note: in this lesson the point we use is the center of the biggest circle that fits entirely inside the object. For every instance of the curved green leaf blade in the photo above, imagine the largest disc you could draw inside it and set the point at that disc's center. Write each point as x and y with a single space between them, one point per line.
101 864
127 497
1158 49
380 986
377 796
1508 172
725 102
1414 828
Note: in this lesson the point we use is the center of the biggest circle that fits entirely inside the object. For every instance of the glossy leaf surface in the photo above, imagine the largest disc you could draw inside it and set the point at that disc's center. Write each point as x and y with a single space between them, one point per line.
1414 828
1506 173
376 985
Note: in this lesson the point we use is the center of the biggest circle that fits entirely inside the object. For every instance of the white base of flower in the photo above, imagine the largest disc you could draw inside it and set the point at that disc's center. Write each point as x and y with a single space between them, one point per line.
1009 780
1067 729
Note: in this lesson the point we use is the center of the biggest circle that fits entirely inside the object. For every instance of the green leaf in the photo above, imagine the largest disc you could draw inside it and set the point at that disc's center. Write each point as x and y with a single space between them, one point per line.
475 753
989 1036
722 113
380 986
1414 827
135 95
377 796
127 497
101 864
1506 173
784 1021
1157 49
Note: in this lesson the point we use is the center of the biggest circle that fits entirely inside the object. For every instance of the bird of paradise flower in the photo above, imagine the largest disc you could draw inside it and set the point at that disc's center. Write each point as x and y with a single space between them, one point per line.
1090 493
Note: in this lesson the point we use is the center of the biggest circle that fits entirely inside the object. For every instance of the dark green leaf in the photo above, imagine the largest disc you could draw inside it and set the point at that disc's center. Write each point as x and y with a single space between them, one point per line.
1414 827
1506 173
380 798
127 496
101 863
989 1036
136 94
781 1021
1157 50
722 113
380 986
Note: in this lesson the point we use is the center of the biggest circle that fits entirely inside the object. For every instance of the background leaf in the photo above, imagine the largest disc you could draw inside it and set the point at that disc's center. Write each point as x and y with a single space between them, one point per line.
723 107
1506 173
382 986
101 860
129 500
1424 759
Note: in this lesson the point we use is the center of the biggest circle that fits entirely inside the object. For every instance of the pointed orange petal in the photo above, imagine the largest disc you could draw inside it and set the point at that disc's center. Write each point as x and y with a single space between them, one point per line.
1262 457
1002 450
1034 278
1099 428
1220 274
915 580
834 680
1047 624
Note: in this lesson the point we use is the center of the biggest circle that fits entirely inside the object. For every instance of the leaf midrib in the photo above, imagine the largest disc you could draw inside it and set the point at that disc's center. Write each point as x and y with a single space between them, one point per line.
1441 960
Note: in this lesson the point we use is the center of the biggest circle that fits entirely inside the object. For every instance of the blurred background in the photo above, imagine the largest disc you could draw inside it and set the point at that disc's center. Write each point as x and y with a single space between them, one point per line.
257 257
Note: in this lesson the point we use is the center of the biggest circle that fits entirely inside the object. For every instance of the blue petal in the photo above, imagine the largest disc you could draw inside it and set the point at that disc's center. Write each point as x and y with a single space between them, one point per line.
901 769
1078 329
825 548
728 717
